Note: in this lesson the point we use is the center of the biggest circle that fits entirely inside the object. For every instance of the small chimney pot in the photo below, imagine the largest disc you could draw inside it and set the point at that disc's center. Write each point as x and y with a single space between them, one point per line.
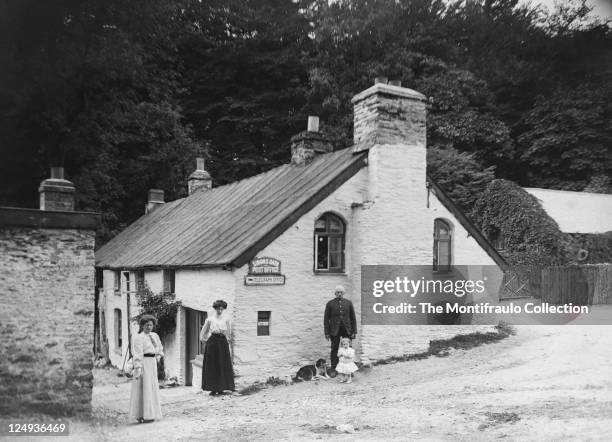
306 145
156 198
57 173
199 179
200 163
313 124
56 193
381 80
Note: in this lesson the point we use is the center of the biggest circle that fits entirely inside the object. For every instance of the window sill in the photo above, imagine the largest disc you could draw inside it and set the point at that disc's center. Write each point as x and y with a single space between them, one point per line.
329 273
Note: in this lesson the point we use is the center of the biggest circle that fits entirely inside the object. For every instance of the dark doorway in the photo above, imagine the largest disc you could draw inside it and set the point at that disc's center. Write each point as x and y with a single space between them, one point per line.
194 320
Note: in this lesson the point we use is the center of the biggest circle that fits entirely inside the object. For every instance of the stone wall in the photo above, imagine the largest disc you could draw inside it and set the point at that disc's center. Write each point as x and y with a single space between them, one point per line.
385 114
46 312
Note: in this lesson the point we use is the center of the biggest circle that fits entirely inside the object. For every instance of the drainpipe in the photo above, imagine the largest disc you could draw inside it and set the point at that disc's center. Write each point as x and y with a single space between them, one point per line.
129 316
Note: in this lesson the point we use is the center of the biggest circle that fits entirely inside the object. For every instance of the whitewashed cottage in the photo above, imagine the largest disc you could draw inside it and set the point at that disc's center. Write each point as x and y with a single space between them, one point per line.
275 245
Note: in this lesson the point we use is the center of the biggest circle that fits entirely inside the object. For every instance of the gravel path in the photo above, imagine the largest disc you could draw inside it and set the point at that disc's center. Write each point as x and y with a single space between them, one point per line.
544 383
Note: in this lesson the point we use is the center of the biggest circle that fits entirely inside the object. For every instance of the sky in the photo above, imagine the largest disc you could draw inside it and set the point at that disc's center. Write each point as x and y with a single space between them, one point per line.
601 8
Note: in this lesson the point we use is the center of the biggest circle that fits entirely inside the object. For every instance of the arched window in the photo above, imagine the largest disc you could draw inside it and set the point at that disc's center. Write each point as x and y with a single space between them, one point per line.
442 246
329 243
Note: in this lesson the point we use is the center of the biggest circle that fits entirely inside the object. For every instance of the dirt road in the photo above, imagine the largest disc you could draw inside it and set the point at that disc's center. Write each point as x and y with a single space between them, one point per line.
544 383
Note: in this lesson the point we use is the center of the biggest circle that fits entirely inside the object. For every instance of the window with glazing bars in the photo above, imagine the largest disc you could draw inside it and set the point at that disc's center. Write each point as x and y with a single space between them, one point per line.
329 240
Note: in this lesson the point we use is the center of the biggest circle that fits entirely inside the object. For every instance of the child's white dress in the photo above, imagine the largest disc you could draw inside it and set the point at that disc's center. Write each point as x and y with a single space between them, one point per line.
346 364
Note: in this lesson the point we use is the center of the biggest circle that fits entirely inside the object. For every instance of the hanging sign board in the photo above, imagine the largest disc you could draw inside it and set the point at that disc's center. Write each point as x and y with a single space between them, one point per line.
264 271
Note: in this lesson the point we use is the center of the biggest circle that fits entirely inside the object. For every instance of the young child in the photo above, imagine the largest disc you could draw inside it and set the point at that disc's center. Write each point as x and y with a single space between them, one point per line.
346 366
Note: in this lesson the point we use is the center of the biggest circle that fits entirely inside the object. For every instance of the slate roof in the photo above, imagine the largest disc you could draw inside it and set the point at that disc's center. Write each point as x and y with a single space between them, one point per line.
228 225
231 223
576 212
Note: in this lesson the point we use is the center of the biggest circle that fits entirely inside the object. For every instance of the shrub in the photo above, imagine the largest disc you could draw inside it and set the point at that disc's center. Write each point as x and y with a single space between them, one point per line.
163 306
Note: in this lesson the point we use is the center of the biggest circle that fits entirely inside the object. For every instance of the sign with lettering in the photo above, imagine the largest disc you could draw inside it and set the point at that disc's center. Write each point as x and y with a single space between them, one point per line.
264 271
264 280
264 266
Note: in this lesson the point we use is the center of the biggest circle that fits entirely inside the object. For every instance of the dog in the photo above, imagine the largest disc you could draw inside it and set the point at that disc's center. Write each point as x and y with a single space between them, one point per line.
313 372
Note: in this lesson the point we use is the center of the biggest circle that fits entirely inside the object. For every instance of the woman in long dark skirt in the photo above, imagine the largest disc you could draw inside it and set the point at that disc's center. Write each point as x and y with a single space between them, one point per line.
217 370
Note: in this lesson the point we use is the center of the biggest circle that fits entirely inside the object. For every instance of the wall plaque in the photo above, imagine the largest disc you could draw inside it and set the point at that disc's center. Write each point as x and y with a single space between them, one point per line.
264 271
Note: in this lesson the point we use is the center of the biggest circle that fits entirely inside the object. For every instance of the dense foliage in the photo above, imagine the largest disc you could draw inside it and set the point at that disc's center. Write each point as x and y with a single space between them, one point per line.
598 247
459 173
124 94
163 306
530 236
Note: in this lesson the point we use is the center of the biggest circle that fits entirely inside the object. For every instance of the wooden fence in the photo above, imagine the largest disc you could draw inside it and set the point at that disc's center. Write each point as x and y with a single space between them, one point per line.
580 285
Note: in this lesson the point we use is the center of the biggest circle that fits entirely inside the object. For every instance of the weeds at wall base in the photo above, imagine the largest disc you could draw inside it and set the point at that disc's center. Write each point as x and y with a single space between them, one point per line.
258 386
439 348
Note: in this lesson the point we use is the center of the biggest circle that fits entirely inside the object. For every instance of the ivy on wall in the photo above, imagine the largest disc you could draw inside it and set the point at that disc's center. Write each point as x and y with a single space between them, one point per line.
598 247
531 237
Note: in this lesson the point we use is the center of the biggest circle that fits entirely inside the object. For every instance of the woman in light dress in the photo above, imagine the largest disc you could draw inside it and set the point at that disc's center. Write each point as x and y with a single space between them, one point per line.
217 370
147 350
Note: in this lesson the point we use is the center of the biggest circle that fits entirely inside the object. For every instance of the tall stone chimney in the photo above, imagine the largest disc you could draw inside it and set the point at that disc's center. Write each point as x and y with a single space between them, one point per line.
199 179
389 124
57 193
305 145
156 198
387 113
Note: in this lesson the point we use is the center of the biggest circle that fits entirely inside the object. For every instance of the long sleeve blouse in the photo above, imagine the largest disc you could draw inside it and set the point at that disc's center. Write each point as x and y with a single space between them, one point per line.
144 343
216 324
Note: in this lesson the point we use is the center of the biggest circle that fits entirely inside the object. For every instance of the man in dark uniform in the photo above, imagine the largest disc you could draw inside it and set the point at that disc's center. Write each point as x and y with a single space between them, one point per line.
339 322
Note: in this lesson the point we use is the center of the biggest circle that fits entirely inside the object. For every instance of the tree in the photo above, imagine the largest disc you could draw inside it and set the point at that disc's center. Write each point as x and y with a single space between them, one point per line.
599 184
123 94
92 86
410 41
246 82
459 174
568 138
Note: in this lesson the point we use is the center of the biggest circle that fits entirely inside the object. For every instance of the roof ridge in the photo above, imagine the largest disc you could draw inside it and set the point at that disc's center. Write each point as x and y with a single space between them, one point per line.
212 227
259 175
577 192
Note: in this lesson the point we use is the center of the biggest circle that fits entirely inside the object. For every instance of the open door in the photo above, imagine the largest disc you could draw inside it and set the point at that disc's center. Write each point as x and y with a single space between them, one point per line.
194 320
